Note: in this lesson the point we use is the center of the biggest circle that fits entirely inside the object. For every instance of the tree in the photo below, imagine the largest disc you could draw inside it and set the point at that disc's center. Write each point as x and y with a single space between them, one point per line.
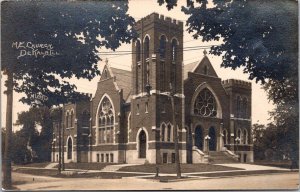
21 154
40 142
262 37
44 43
259 35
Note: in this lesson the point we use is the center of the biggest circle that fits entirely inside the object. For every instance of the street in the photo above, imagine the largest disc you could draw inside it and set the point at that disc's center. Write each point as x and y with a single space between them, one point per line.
259 182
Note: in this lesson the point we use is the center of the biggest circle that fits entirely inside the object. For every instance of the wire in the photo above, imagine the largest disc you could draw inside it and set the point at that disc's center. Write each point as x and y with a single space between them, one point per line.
135 52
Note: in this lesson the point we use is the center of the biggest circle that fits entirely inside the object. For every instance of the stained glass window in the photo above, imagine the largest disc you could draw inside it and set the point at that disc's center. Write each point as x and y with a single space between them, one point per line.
106 122
205 104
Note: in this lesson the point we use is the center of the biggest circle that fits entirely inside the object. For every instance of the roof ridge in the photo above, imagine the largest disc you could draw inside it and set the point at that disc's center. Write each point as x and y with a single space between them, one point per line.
120 69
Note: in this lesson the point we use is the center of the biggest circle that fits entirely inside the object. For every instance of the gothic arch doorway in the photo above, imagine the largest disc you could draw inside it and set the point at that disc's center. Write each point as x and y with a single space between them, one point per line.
142 144
70 146
199 137
213 139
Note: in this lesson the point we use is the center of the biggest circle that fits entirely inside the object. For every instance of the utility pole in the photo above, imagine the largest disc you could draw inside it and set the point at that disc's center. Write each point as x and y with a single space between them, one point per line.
178 169
59 147
63 140
7 182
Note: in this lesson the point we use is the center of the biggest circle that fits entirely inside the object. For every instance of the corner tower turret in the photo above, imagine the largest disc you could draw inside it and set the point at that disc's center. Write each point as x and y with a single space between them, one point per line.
156 64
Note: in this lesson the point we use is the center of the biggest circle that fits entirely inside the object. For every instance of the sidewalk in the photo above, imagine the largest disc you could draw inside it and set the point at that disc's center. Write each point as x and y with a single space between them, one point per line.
249 168
252 167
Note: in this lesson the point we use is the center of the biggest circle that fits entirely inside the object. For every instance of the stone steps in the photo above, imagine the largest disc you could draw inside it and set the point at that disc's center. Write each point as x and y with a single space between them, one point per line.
221 157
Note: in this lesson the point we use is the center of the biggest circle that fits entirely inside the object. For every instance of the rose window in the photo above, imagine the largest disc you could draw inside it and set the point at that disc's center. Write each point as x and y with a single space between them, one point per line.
205 104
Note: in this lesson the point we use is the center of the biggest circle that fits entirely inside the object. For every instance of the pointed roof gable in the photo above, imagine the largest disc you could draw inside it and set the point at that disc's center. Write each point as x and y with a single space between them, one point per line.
122 79
106 73
203 67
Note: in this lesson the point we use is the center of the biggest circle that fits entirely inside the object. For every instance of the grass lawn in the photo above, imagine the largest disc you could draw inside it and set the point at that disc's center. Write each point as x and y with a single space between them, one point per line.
40 172
41 165
104 175
86 166
171 168
54 173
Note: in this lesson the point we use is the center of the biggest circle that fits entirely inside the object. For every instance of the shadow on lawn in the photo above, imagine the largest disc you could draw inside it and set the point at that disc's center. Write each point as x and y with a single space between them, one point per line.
171 168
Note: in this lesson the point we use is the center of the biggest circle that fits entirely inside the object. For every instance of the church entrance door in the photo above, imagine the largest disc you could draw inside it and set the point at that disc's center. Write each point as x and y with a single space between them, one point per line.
213 139
199 137
142 144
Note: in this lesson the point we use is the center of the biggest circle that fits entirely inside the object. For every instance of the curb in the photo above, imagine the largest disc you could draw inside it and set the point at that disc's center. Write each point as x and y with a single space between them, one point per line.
217 177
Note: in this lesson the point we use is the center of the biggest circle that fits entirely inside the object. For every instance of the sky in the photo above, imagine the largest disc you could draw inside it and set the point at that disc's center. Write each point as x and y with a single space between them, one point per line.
139 9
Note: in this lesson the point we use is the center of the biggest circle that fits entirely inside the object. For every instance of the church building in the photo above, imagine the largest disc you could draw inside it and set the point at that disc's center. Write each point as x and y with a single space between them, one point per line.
130 117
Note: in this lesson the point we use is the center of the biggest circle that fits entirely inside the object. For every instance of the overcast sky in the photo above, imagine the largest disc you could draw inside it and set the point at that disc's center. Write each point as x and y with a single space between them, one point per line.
139 9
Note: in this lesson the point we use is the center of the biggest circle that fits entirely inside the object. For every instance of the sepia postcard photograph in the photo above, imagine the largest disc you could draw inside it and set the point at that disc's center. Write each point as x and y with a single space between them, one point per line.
149 95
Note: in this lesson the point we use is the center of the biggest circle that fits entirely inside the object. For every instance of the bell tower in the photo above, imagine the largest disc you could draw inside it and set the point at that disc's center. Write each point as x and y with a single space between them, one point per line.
156 72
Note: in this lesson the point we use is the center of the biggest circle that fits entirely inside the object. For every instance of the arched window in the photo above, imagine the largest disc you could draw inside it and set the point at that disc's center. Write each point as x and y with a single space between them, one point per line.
245 108
70 146
238 106
162 47
169 132
162 75
142 144
72 119
138 66
163 129
85 119
106 122
138 50
146 47
205 104
174 50
147 72
245 136
67 120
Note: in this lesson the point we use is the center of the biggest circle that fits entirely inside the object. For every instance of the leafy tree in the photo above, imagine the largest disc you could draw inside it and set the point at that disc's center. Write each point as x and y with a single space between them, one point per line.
21 153
71 34
262 38
270 142
259 35
40 142
286 120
